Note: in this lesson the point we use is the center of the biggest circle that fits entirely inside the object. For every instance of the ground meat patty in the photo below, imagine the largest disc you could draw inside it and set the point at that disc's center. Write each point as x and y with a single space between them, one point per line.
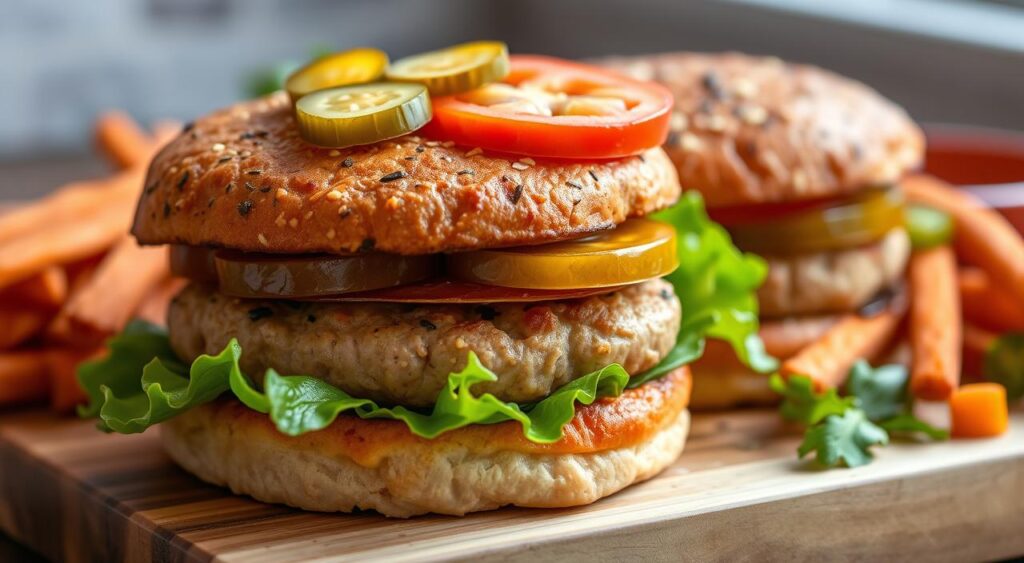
402 354
833 282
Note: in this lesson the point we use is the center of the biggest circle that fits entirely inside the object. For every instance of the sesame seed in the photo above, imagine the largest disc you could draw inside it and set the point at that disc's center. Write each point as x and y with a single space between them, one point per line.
330 234
218 147
281 192
307 215
460 343
396 175
593 175
475 151
293 222
393 203
800 181
245 207
678 121
517 193
280 221
262 239
334 152
344 212
753 115
333 195
448 144
178 204
519 166
745 88
716 123
347 163
528 161
432 143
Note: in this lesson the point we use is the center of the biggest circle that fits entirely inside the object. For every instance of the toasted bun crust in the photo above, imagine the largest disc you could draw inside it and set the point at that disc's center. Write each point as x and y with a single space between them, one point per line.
721 381
754 129
399 354
839 281
379 465
243 178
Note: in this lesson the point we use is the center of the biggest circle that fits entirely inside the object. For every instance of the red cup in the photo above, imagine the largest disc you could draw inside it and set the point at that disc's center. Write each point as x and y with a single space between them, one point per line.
989 163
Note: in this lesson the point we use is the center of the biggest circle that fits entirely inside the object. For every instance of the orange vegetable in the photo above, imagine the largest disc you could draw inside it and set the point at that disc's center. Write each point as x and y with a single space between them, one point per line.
988 305
105 303
62 367
828 361
27 307
121 140
983 237
934 324
23 377
978 410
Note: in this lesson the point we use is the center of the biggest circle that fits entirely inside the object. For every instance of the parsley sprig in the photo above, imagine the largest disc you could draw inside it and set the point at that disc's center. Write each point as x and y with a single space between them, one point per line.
842 429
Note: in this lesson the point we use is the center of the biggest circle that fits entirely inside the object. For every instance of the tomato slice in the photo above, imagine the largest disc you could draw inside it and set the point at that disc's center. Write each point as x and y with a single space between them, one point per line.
636 250
554 108
823 225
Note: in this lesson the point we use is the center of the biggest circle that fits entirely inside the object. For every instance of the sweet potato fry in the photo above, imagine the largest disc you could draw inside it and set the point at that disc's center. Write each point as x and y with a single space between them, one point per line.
828 361
104 304
23 377
934 324
983 237
121 140
987 304
154 307
62 367
45 290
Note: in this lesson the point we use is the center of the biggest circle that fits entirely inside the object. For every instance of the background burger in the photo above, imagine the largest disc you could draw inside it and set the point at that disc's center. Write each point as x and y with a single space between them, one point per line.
802 167
450 320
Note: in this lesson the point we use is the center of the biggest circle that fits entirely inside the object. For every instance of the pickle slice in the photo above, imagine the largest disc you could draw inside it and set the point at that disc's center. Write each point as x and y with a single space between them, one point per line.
862 219
360 115
456 69
194 263
355 66
305 276
928 227
636 250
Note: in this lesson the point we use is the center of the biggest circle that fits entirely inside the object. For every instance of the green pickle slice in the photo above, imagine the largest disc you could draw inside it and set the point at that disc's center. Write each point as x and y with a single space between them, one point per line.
360 115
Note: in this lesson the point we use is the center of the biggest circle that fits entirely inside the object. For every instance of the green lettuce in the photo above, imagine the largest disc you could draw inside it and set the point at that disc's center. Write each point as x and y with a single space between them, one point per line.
717 282
127 403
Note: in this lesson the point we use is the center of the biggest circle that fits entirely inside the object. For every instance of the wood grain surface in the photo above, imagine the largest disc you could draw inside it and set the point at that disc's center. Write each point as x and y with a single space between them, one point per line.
738 492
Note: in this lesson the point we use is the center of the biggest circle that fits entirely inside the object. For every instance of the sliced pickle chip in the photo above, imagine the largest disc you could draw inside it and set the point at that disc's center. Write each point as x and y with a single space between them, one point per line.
636 250
194 263
928 227
355 66
360 115
456 69
862 219
306 276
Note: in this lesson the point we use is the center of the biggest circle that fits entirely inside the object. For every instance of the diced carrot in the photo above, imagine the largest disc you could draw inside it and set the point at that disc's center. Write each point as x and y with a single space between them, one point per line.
828 361
23 377
934 323
987 304
983 237
979 410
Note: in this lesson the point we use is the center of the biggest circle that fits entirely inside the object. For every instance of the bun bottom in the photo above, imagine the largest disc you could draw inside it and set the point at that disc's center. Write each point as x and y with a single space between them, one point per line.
453 476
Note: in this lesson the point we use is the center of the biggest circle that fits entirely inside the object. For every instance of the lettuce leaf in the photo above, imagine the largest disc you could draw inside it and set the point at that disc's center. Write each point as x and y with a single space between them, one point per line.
297 404
716 281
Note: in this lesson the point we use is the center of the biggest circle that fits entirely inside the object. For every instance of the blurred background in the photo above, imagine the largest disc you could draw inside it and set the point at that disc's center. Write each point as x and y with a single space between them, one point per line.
946 61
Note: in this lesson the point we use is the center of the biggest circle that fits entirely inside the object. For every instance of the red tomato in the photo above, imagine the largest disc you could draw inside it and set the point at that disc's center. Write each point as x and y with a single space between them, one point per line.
632 116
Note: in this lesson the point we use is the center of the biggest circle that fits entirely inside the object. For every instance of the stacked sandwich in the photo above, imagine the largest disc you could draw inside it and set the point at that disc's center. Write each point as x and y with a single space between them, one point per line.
801 166
432 293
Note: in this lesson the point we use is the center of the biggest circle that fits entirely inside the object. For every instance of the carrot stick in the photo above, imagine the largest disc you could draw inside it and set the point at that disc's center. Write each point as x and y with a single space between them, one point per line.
68 241
979 410
934 324
983 236
62 366
45 290
23 377
977 342
121 140
154 307
828 360
104 304
987 304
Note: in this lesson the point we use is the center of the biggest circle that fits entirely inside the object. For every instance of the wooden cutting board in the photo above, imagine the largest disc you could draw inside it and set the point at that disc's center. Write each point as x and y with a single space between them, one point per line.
738 492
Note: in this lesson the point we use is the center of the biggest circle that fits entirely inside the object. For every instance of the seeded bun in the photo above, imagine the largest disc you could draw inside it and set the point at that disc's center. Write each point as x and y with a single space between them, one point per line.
242 178
755 130
379 465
